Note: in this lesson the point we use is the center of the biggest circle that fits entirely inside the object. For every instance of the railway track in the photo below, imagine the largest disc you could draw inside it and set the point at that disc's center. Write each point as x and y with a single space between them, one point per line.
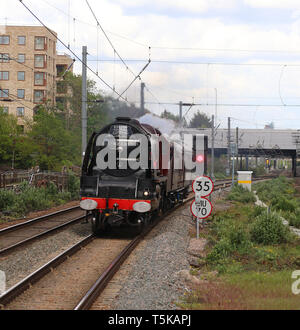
18 235
71 280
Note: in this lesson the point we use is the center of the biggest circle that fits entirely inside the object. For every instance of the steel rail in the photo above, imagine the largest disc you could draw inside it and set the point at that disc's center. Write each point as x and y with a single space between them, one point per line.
102 281
37 236
27 282
36 220
97 288
88 299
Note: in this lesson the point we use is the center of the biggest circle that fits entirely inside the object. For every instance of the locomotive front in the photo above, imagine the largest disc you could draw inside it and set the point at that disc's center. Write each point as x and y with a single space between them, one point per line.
117 184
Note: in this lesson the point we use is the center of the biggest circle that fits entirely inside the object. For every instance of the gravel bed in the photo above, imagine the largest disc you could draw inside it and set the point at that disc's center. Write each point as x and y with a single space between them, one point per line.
153 282
24 261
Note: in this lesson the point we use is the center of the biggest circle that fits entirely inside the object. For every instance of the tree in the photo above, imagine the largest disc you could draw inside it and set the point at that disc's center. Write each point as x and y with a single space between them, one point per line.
9 134
168 115
54 146
200 120
15 148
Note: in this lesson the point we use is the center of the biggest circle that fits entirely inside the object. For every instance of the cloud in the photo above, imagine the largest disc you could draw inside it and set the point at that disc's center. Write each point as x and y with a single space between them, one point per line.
274 4
192 6
149 23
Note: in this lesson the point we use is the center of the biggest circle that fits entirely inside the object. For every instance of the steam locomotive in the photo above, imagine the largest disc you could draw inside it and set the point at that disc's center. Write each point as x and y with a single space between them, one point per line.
124 177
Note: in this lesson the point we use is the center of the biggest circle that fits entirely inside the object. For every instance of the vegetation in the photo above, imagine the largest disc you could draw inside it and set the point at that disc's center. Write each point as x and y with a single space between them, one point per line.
200 120
168 115
240 194
280 195
30 198
253 252
269 229
53 138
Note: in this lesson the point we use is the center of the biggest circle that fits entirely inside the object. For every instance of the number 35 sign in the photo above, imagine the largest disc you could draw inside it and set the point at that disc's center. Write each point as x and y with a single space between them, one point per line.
202 187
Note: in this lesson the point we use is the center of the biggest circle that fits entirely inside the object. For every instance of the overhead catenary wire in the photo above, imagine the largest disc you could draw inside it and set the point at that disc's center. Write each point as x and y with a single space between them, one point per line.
204 63
181 48
63 43
117 53
108 39
15 100
229 104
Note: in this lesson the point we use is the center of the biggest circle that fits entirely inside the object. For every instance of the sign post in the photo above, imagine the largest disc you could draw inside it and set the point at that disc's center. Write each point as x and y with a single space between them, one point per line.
201 207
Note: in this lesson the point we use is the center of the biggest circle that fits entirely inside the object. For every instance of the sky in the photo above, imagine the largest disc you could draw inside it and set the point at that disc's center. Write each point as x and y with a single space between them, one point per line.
232 58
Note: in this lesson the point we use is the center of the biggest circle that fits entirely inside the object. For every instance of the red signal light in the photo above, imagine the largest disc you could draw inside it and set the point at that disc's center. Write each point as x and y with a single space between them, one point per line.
200 158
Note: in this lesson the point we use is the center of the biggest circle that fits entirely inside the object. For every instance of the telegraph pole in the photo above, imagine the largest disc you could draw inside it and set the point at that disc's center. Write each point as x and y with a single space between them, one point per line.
212 148
237 146
180 113
84 101
142 96
228 148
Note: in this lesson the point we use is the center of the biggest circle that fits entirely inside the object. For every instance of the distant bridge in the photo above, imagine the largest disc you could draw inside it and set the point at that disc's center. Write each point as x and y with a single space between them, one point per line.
268 143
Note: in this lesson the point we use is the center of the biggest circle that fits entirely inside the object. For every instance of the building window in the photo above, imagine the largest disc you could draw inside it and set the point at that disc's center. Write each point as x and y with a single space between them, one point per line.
4 75
38 96
60 69
21 40
20 111
21 75
39 78
39 61
5 109
21 58
4 58
40 43
4 40
4 92
21 93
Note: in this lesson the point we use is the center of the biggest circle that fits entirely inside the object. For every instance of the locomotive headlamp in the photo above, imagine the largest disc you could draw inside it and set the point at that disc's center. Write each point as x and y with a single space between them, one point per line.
146 193
141 207
88 204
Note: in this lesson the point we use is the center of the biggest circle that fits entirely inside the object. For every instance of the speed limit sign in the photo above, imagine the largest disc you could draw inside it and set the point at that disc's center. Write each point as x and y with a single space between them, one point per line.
203 186
201 210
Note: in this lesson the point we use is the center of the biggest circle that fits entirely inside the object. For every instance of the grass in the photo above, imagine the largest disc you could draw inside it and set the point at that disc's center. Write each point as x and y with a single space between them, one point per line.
254 255
251 290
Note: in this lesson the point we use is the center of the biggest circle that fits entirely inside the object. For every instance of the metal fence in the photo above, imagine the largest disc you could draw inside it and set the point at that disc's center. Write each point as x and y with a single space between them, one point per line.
9 180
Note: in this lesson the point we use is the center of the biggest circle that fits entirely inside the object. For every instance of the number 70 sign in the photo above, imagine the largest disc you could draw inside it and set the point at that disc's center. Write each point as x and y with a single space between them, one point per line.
202 187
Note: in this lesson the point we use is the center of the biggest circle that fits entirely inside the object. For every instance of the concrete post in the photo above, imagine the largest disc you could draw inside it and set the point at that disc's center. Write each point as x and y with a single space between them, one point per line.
84 101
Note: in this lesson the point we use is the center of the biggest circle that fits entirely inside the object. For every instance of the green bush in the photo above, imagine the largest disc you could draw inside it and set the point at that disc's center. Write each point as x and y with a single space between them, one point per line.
240 194
269 229
284 204
6 199
274 190
73 186
221 250
257 210
233 236
30 199
293 218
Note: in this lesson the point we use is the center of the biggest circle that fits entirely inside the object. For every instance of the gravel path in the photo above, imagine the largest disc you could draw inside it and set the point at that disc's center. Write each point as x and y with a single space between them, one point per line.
23 262
153 282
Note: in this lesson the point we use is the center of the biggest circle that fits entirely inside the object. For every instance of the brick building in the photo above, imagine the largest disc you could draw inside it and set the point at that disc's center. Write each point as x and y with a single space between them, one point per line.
30 69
